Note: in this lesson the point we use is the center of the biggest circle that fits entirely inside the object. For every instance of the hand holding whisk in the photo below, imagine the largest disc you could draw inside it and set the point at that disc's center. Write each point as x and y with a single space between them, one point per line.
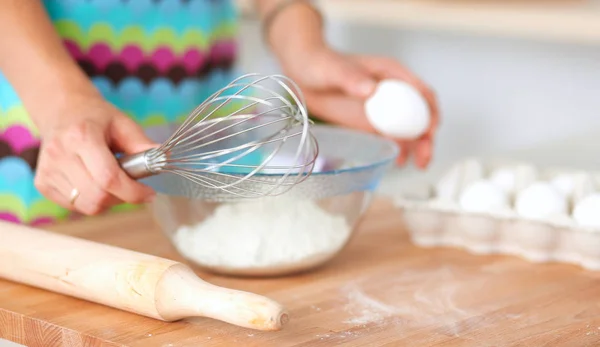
229 145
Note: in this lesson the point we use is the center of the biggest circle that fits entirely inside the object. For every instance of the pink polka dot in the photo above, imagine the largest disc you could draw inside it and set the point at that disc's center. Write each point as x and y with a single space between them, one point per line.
163 59
193 59
132 57
100 55
9 217
19 138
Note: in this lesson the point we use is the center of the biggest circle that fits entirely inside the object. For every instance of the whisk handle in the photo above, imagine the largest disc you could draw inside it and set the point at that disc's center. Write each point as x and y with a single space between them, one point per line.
136 165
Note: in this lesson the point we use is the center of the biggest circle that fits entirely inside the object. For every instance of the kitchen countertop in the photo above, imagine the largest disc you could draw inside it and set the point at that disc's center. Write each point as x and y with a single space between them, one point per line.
381 291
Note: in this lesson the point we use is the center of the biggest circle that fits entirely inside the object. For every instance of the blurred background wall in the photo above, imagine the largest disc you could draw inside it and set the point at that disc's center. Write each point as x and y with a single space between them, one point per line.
496 94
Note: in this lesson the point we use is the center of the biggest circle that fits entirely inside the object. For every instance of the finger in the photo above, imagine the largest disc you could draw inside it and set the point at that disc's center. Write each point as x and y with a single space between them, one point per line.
106 172
339 109
92 200
434 114
353 79
58 197
60 190
404 152
128 137
51 183
384 68
338 73
423 152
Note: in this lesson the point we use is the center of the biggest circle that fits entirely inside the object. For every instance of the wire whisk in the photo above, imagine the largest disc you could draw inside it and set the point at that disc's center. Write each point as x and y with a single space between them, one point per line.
249 139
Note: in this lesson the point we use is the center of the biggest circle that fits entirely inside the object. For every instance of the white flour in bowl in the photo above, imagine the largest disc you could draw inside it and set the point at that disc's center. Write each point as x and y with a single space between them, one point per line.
264 232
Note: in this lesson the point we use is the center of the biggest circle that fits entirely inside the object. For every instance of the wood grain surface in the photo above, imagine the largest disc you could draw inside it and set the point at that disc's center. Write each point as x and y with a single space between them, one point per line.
381 291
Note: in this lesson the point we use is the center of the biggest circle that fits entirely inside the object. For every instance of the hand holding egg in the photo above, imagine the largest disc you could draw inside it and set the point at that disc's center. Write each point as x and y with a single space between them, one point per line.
398 110
338 87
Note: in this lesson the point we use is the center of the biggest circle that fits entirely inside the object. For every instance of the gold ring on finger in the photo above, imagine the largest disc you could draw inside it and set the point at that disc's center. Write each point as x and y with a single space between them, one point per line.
74 196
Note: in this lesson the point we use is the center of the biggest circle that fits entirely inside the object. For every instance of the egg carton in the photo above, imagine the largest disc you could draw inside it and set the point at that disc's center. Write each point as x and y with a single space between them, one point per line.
437 218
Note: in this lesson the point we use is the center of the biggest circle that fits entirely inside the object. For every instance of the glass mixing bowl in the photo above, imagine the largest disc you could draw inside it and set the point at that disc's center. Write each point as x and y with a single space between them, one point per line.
271 236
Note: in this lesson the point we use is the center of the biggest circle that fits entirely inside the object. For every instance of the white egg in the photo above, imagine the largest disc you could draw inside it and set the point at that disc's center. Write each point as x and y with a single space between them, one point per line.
563 183
525 175
397 109
504 178
483 196
583 185
448 186
457 178
541 201
514 179
587 211
471 171
575 186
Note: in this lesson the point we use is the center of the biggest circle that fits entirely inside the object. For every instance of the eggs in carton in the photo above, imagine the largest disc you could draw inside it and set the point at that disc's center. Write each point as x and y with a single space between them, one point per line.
587 211
541 201
511 208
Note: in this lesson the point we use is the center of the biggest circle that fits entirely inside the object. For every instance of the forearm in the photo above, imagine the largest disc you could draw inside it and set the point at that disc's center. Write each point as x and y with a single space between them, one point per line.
35 61
295 30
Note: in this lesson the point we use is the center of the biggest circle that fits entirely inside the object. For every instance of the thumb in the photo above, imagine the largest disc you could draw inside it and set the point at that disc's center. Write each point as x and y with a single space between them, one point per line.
128 137
351 78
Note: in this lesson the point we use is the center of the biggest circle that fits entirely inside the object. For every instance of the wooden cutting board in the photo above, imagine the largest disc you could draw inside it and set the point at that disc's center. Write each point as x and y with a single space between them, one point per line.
381 291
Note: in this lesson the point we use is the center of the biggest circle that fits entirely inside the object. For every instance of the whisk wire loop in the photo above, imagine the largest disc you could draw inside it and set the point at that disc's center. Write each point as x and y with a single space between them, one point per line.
238 143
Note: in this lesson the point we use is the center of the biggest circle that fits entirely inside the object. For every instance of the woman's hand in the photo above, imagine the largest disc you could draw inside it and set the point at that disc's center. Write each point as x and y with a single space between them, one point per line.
77 127
337 85
78 142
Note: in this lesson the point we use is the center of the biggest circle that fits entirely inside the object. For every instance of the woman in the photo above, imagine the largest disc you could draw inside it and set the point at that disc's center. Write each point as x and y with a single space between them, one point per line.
79 79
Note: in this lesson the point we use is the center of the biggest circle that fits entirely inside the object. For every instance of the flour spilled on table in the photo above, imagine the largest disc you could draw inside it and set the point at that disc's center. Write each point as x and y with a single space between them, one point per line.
413 299
369 309
339 335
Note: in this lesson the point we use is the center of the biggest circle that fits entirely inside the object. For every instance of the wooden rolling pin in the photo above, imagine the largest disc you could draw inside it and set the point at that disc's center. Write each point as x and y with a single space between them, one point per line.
140 283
